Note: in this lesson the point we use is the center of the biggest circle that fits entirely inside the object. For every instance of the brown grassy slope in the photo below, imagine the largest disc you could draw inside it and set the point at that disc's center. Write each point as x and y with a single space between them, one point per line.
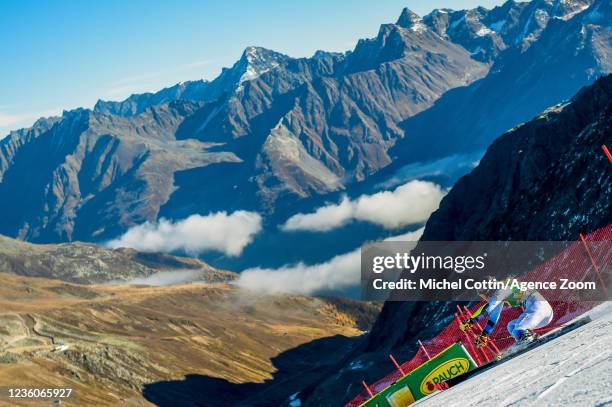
122 337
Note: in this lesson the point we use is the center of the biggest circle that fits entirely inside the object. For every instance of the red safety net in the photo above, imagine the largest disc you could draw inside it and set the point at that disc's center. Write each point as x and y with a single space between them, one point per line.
583 260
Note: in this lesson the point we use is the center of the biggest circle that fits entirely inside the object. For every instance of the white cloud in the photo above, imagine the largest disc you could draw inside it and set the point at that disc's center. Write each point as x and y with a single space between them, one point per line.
323 219
340 272
229 234
408 204
164 278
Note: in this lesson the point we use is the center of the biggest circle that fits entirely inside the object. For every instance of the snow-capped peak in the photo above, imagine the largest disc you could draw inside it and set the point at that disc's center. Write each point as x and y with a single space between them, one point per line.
566 9
411 20
254 62
252 53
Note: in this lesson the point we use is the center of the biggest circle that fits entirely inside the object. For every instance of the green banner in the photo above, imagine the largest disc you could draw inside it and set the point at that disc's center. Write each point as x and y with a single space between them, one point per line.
451 362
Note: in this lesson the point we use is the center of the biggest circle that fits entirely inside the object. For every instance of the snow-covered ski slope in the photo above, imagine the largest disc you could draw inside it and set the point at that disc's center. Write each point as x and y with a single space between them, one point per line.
572 370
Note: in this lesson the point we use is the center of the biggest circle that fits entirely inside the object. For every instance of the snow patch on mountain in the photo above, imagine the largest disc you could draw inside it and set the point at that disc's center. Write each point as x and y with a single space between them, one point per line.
418 27
483 31
258 62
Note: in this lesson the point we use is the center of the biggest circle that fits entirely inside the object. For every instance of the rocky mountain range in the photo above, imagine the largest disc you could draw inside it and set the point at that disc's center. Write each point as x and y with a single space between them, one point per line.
274 126
523 81
486 33
547 179
280 135
273 130
254 62
85 263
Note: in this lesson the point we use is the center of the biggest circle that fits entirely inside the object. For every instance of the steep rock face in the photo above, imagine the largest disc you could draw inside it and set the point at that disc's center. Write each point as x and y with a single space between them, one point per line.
548 179
568 54
545 180
10 146
83 173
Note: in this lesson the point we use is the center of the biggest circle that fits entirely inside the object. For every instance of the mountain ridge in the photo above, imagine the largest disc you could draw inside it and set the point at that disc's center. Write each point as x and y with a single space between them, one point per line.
290 127
293 128
568 54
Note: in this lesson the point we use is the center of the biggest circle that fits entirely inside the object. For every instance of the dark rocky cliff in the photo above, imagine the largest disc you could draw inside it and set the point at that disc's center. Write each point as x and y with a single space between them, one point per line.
547 179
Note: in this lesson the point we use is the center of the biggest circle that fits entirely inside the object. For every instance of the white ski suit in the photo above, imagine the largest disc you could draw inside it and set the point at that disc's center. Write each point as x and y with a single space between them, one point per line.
538 312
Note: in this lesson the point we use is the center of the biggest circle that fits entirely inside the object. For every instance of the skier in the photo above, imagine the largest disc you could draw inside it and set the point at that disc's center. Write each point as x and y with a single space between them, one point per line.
537 314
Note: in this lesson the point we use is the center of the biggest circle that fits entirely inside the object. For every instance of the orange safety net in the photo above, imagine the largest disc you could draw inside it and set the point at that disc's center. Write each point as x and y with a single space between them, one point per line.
579 260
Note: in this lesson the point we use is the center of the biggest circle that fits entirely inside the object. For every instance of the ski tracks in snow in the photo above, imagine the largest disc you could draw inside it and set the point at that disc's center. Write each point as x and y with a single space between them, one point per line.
572 370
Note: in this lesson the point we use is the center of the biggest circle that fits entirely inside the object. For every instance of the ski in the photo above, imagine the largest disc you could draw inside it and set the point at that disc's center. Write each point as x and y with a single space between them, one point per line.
504 357
516 348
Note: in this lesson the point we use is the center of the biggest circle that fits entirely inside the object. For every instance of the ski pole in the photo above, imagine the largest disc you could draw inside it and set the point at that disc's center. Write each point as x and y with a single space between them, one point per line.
503 338
469 342
485 346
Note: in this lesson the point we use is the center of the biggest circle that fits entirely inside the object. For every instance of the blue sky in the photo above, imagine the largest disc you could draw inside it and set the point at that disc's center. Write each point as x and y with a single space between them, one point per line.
65 54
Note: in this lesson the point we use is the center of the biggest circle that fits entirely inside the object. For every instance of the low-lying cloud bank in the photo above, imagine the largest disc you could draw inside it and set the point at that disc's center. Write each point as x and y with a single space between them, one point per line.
164 278
323 219
339 273
225 233
453 166
408 204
